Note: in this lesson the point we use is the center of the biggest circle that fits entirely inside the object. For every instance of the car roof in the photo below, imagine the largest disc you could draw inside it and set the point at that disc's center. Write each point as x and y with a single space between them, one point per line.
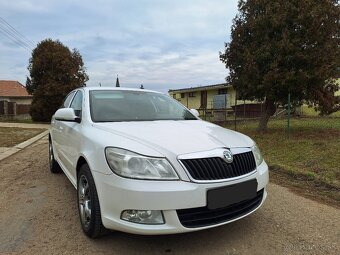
120 89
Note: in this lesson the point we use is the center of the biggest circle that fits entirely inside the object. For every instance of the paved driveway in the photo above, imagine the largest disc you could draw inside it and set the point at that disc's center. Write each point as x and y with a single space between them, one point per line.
38 215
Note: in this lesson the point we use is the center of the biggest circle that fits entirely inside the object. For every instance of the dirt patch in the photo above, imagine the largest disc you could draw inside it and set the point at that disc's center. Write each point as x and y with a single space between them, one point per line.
306 186
11 136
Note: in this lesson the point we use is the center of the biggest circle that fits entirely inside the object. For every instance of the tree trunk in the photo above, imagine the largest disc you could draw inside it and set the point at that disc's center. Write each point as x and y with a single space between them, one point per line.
268 111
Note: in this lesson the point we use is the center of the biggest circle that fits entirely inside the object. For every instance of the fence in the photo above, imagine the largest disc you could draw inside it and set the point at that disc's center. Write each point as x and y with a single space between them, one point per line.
12 110
245 116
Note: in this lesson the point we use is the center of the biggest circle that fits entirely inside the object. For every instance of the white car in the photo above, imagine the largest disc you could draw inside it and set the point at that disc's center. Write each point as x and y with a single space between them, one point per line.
143 163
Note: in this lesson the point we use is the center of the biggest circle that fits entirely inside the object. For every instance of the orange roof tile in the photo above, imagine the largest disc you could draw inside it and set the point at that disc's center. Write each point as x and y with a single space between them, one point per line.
12 89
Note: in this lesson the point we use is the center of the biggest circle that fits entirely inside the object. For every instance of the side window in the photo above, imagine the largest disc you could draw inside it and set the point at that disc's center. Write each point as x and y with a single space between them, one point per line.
67 100
77 103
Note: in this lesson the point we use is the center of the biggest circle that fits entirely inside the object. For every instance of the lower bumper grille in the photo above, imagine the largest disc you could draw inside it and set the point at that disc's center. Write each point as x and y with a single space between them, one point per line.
202 216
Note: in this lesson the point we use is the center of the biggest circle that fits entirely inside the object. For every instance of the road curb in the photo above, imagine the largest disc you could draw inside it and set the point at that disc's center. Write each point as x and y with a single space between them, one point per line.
22 145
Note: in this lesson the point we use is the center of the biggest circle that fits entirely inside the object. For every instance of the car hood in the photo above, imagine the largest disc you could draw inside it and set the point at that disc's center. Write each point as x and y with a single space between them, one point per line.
177 137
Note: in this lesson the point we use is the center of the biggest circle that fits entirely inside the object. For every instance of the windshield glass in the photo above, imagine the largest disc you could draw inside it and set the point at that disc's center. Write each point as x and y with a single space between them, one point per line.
120 105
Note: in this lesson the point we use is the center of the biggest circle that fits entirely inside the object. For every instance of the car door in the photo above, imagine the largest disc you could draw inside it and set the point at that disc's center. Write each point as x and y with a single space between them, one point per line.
56 129
71 136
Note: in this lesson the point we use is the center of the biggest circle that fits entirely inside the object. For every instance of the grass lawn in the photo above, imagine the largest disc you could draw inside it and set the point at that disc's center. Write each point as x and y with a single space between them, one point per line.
10 136
308 111
308 159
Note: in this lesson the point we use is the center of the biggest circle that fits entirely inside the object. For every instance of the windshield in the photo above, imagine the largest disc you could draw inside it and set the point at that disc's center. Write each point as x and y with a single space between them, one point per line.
119 105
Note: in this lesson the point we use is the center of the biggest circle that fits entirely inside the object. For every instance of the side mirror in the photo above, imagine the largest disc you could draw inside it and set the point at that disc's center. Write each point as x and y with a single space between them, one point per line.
195 112
66 114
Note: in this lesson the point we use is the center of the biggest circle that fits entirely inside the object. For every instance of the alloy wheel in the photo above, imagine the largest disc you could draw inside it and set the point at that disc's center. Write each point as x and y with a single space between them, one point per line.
84 201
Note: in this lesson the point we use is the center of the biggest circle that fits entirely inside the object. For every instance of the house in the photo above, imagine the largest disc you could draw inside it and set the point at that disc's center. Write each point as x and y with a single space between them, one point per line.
217 99
14 99
203 97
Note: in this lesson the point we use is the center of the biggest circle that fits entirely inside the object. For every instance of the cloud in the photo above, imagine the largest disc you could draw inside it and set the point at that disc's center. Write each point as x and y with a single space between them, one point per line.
162 44
21 6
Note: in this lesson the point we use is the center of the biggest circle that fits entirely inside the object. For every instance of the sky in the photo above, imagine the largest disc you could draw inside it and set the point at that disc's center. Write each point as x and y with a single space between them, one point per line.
162 44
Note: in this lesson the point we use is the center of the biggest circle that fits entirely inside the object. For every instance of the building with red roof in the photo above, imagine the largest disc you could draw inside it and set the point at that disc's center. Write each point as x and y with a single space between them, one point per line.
14 99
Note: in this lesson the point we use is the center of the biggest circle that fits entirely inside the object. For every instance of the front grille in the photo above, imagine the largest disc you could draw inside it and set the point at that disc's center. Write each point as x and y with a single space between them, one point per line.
216 168
202 216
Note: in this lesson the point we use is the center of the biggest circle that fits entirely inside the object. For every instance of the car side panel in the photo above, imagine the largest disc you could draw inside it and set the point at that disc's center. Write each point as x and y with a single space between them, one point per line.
55 136
72 137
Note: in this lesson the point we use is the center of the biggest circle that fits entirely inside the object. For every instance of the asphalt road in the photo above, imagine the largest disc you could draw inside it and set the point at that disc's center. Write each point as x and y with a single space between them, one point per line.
38 215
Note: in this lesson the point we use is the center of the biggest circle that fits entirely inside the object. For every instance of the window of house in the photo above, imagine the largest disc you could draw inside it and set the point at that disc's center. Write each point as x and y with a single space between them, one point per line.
174 95
222 91
191 94
182 95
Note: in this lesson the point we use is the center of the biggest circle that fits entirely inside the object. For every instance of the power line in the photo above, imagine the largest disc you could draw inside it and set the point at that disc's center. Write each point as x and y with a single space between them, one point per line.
14 38
12 34
15 41
17 32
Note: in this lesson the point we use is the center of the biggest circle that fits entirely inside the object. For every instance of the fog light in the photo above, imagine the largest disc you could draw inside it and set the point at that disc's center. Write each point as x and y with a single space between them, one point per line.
151 217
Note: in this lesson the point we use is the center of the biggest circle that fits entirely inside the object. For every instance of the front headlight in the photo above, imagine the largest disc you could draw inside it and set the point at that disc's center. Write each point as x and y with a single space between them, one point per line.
257 155
129 164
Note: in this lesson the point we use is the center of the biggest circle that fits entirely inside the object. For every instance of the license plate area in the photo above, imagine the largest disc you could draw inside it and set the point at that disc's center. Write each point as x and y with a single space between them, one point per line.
224 196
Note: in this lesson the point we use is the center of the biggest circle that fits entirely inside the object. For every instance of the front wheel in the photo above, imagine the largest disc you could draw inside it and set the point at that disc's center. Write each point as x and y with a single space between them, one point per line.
88 204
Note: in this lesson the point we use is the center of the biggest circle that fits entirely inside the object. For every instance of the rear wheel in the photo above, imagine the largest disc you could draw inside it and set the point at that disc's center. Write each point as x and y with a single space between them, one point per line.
88 204
54 166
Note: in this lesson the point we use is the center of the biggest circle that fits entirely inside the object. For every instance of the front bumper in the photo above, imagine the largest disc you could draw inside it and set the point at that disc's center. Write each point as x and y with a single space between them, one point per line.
117 194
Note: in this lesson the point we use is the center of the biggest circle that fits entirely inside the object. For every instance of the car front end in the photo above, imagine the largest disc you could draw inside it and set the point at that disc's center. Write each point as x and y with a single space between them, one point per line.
190 192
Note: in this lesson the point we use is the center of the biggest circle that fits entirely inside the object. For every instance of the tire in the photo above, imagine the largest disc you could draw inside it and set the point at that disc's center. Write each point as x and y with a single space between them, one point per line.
88 204
54 166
